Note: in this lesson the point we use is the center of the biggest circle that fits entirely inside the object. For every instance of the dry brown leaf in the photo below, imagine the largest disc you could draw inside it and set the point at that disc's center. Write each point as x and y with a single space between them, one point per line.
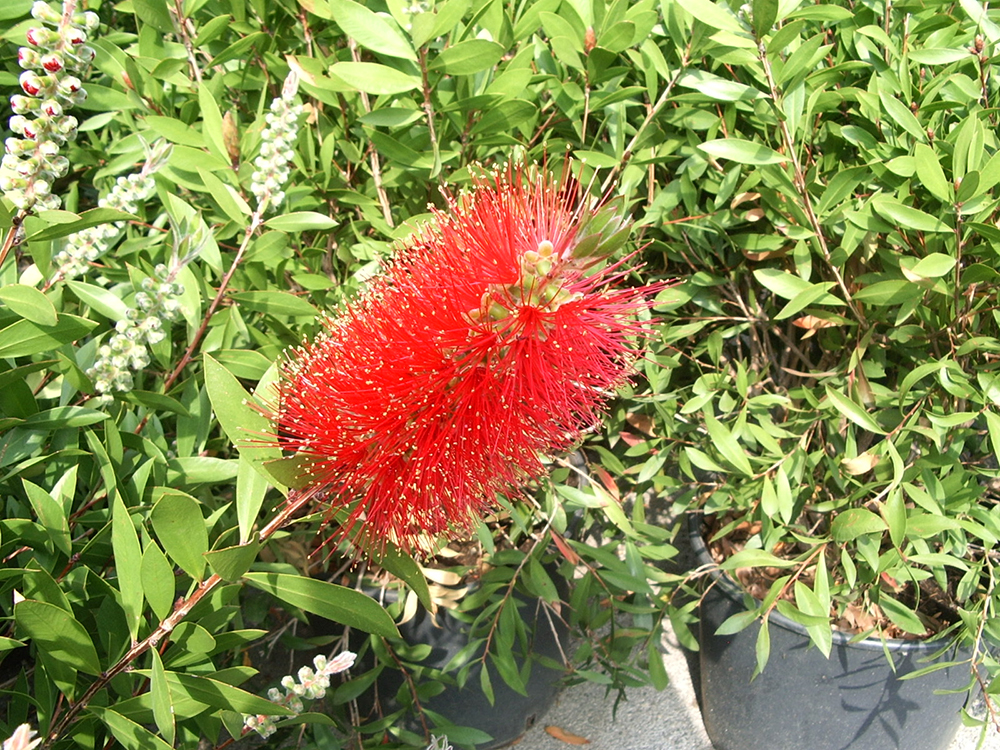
754 214
568 737
629 439
642 422
859 465
812 324
766 254
743 198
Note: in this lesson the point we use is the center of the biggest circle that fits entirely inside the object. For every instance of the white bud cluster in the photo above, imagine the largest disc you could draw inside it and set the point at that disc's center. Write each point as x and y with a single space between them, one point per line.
311 685
84 247
276 151
54 65
127 350
439 743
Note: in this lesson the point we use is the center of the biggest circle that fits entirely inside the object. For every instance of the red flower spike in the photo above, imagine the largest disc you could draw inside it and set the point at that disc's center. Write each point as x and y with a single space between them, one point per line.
483 345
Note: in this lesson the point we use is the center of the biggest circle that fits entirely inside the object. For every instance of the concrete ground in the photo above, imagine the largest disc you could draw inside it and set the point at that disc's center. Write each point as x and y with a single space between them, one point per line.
652 720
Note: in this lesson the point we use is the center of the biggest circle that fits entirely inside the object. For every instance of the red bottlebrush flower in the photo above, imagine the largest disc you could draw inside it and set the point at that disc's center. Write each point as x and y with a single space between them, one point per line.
492 338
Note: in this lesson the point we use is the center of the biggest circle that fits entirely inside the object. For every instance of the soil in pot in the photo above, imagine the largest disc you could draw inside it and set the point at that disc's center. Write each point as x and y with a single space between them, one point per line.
852 700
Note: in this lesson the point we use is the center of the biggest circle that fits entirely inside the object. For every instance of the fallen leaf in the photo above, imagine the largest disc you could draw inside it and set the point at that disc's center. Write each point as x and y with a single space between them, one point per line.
812 324
568 737
754 214
743 198
642 422
859 465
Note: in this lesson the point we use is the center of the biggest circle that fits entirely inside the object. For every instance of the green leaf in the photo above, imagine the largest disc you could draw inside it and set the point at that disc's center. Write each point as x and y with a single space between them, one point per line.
29 303
755 558
55 631
901 115
188 470
727 445
92 218
132 736
852 411
180 527
907 217
159 693
62 417
720 89
855 522
405 568
244 425
275 303
931 175
231 563
763 647
218 694
154 13
737 622
902 616
251 488
373 78
371 30
932 266
157 577
657 672
300 221
25 339
714 16
231 202
336 603
764 13
99 299
128 564
742 152
51 516
468 57
212 123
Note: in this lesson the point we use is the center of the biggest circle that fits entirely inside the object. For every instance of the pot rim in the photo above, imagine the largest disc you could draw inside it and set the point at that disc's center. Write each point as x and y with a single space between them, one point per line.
733 590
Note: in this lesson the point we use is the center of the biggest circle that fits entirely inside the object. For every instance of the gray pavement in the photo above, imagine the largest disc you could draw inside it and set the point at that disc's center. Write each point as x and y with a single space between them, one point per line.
653 720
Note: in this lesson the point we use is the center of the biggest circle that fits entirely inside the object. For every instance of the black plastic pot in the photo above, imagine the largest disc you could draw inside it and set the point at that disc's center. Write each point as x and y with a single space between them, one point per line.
852 700
511 714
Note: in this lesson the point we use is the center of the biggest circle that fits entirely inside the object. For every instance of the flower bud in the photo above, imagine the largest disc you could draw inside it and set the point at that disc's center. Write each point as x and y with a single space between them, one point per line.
39 37
42 11
22 105
52 108
69 85
28 58
30 83
52 62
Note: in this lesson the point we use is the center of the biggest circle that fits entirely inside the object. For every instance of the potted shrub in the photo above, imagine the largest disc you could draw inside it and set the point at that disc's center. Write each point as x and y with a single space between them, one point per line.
491 339
834 407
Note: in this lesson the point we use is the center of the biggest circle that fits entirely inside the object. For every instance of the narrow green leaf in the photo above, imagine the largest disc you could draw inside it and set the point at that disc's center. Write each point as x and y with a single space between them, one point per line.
132 736
742 152
244 425
300 221
58 633
61 417
404 567
714 16
275 302
212 123
855 522
373 78
157 577
231 563
128 564
900 114
902 616
737 622
159 690
180 527
763 647
852 411
251 488
931 175
25 339
657 672
468 57
337 603
907 217
99 299
29 303
755 558
378 33
51 515
727 445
